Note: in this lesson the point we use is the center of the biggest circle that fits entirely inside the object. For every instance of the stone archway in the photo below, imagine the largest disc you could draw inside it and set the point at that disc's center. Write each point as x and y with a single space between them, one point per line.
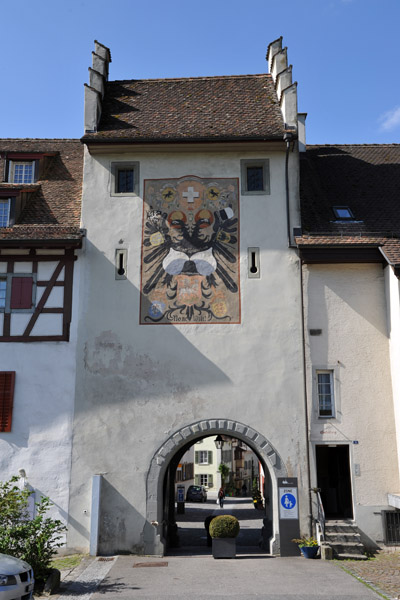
152 535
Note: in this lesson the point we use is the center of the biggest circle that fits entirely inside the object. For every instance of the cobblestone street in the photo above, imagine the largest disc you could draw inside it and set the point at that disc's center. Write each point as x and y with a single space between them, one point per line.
381 572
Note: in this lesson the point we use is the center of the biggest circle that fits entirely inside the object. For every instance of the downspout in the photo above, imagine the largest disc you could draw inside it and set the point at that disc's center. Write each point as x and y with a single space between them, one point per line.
288 138
306 415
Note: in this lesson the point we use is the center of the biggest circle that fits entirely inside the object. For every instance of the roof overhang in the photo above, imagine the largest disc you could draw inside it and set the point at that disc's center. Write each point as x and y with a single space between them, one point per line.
314 254
120 146
40 243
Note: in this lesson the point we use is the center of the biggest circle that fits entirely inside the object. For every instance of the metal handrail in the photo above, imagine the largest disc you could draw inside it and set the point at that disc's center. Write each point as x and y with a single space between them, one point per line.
321 516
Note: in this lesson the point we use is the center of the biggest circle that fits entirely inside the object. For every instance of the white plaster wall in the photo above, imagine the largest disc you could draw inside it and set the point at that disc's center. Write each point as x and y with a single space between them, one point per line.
40 439
393 309
348 303
136 385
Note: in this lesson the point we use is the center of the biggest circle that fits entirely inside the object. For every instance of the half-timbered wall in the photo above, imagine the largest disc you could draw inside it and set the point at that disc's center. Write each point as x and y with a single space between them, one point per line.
38 297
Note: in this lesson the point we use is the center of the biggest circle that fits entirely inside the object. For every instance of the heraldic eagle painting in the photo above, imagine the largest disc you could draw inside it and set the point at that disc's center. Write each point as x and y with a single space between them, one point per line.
190 267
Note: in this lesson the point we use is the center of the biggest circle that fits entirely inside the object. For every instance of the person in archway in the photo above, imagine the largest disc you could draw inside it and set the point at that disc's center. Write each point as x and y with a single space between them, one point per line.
244 490
221 496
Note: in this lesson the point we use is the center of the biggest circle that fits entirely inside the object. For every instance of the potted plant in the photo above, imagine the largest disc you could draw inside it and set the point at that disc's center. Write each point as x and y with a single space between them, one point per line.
257 499
223 531
308 546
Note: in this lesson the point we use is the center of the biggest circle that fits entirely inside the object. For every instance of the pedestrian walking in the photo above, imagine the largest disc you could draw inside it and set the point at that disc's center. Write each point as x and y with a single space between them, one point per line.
221 496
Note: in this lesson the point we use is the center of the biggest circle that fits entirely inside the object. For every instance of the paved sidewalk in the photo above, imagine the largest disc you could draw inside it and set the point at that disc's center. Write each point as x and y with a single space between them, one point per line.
203 578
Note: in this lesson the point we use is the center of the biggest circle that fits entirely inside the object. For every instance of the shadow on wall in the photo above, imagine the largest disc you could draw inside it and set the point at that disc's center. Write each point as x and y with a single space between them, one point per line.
141 362
119 523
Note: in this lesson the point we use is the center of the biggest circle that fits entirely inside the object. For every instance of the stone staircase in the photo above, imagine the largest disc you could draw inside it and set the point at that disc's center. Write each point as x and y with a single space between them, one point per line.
344 539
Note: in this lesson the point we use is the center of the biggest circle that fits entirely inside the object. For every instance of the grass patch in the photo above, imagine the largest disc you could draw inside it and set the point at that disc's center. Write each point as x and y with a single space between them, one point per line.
67 562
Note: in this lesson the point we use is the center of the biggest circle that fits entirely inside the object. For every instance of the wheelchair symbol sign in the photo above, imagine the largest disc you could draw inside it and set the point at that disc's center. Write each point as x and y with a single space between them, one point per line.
288 503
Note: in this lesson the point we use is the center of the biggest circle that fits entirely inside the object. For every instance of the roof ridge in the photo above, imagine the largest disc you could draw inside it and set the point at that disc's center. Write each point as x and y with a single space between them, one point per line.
39 140
363 145
160 79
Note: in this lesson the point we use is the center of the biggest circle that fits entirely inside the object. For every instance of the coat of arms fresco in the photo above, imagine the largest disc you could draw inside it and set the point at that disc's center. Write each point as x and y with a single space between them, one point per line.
190 267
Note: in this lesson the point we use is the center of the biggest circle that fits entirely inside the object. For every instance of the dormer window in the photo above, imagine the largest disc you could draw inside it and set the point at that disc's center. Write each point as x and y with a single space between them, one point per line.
22 171
343 213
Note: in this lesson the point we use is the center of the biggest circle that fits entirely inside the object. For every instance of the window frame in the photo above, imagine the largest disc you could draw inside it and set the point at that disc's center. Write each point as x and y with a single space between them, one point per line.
203 454
8 200
11 170
8 277
331 373
124 165
255 162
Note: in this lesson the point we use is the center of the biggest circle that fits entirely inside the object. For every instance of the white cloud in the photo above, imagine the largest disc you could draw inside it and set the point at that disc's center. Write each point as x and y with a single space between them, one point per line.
390 119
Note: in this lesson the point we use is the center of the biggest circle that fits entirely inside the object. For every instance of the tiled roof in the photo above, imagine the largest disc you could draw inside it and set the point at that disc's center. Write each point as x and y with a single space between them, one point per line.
240 107
40 233
364 178
54 205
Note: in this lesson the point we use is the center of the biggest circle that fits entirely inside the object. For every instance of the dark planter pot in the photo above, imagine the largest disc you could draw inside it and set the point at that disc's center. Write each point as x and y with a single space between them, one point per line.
309 551
224 547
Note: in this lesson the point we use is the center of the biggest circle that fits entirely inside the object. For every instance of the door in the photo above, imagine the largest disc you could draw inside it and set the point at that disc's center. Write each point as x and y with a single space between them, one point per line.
334 481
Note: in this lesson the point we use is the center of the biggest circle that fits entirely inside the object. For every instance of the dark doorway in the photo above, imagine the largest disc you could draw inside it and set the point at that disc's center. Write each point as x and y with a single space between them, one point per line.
333 477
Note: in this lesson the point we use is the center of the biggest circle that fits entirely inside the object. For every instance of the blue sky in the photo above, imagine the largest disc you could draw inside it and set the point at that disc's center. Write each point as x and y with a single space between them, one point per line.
345 56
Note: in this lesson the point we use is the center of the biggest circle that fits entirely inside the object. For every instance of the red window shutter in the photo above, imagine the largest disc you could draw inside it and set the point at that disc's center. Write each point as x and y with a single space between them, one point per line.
21 292
7 380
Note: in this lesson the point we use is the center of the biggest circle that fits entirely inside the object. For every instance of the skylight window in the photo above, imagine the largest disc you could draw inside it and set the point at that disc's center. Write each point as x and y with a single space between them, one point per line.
343 213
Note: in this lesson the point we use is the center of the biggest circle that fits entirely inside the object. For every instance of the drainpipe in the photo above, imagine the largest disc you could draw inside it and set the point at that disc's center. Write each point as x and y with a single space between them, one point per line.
288 137
306 416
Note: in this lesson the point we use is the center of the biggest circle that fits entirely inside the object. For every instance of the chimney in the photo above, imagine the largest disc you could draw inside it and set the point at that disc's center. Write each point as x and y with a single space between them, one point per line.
286 90
273 48
302 131
94 92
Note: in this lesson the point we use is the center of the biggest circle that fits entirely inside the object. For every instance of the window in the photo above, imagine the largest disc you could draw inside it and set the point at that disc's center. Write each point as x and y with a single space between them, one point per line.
343 213
255 176
205 479
325 393
5 205
3 291
22 171
7 380
203 457
125 179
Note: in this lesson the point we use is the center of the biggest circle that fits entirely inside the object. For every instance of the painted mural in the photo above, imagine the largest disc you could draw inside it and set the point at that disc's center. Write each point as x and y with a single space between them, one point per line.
190 267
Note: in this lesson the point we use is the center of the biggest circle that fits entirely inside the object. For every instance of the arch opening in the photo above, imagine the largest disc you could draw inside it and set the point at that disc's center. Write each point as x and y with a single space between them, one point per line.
160 481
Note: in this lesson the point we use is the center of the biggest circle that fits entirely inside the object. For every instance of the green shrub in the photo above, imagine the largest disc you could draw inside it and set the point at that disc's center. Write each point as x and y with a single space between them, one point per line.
34 540
224 526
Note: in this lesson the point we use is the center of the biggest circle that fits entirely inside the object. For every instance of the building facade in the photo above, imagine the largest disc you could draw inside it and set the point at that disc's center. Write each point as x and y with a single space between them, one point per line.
230 281
40 241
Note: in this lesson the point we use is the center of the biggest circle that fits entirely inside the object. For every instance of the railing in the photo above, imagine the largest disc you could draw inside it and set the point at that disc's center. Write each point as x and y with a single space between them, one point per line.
320 521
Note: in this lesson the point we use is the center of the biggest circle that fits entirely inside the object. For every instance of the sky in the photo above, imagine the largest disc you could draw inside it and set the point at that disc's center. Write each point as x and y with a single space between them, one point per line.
345 56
